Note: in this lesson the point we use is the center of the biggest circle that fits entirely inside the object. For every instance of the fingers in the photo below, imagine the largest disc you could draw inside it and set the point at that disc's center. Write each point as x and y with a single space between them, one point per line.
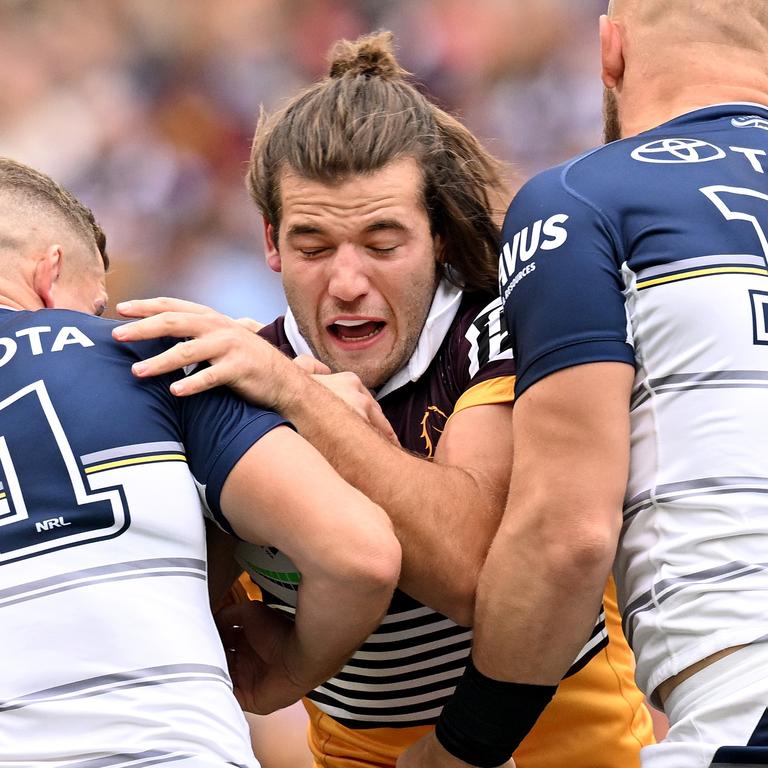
175 324
311 365
183 355
148 307
379 422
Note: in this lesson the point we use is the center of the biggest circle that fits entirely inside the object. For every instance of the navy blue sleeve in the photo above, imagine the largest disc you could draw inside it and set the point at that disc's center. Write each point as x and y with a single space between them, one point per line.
560 282
219 428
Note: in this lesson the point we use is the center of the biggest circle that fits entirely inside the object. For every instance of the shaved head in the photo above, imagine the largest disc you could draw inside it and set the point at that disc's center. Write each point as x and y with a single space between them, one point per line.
663 58
737 23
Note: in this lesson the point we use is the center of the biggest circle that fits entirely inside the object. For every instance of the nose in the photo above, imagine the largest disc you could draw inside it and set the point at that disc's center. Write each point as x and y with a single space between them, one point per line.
348 277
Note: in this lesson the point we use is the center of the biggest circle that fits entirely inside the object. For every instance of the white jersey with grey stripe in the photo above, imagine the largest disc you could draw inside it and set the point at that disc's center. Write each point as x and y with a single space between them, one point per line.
653 251
110 658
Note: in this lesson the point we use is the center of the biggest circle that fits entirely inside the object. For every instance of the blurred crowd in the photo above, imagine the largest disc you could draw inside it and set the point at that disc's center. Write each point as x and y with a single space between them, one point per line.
145 110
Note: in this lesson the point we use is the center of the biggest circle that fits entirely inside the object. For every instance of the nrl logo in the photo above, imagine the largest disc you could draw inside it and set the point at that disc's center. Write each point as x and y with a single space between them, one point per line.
677 151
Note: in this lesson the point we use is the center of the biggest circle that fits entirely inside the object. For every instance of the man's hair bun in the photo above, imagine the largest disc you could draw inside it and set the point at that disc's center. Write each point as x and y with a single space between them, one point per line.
368 56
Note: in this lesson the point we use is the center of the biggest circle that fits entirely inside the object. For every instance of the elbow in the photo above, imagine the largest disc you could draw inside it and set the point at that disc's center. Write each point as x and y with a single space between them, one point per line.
381 568
584 555
460 603
462 614
373 561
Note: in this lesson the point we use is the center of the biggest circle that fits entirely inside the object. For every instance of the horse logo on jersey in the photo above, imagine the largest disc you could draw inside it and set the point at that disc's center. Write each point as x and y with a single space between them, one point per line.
677 151
432 426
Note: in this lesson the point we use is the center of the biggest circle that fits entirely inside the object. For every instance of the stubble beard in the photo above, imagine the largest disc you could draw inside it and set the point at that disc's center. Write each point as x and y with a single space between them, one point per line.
611 118
373 372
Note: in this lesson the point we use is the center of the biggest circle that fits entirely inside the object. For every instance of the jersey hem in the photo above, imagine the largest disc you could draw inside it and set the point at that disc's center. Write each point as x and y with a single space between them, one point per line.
593 351
678 662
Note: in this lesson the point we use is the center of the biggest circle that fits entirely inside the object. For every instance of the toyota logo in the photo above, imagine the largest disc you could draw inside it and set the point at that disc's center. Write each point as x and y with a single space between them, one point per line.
678 151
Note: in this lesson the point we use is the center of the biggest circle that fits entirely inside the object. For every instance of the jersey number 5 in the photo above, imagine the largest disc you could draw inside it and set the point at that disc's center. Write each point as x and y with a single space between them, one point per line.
44 503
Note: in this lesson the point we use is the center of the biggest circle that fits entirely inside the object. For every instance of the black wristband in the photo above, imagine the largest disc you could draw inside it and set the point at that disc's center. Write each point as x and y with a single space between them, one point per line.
485 720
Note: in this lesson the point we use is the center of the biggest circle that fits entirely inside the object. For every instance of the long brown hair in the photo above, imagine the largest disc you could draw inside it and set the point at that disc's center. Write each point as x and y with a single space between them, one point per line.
364 115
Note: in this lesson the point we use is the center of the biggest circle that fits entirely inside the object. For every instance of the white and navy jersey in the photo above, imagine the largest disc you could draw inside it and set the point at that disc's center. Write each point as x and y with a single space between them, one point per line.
108 651
652 251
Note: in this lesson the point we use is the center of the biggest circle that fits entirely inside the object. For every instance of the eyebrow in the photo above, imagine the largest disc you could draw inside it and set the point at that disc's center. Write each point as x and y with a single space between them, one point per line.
304 229
386 224
376 226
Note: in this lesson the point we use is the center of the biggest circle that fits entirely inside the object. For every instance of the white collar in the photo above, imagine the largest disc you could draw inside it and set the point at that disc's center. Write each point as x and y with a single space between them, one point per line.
445 305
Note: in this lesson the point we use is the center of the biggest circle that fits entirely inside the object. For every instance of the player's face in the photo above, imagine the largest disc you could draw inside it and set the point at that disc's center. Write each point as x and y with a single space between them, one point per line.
359 266
83 285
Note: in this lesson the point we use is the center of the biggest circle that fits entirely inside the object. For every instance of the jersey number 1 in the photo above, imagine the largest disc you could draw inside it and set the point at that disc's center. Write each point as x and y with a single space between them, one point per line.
44 503
741 204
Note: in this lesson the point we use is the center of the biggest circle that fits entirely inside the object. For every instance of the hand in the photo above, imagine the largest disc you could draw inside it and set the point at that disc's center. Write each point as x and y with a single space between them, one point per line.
238 357
427 752
254 636
254 326
348 387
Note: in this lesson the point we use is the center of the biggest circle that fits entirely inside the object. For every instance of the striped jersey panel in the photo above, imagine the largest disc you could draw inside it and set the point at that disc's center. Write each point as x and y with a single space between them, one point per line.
406 670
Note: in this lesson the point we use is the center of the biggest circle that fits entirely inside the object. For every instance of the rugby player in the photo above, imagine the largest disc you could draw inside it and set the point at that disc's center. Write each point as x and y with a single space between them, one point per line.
635 286
378 211
109 651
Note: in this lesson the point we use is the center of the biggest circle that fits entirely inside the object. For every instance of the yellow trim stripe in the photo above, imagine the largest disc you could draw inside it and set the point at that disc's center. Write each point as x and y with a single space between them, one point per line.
498 390
2 494
703 273
136 460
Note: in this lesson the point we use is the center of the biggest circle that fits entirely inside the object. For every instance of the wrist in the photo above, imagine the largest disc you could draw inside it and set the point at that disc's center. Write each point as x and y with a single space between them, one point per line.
291 385
485 720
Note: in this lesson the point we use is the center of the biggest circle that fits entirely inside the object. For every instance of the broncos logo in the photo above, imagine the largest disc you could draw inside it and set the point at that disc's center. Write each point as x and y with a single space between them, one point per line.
432 425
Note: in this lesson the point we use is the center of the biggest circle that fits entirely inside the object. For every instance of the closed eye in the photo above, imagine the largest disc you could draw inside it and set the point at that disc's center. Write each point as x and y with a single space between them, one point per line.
311 252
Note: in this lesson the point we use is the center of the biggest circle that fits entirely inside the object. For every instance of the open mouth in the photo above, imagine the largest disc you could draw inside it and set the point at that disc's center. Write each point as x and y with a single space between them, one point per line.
355 330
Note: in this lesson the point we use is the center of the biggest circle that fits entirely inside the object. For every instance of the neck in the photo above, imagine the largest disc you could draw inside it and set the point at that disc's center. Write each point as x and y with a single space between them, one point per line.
652 95
17 296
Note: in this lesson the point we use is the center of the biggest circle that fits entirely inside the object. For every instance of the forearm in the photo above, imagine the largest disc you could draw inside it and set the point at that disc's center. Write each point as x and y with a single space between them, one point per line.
333 618
538 598
539 590
443 515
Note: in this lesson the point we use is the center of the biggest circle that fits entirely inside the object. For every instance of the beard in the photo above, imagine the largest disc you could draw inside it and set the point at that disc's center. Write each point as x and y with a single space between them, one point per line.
611 121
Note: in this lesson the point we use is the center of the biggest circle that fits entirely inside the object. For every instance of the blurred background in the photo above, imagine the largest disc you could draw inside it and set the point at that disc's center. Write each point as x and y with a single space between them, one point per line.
145 109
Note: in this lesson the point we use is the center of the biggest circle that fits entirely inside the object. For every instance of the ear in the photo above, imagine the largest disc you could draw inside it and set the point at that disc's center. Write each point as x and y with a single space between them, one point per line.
46 274
611 53
438 246
274 261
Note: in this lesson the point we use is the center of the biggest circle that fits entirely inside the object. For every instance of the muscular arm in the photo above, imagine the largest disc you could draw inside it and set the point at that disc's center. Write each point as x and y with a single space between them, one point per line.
541 585
444 511
542 582
282 492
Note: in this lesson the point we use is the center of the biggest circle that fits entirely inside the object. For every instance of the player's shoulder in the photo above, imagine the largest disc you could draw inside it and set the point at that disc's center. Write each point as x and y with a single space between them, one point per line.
478 336
65 328
593 180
